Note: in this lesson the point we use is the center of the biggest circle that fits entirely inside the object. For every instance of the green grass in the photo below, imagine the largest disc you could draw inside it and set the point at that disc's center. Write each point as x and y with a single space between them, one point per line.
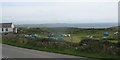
113 41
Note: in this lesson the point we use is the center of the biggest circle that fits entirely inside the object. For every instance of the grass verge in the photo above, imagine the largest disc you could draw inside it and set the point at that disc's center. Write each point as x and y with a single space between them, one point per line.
68 52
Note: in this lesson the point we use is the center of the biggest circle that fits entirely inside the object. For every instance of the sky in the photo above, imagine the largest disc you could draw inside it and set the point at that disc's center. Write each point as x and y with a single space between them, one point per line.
63 11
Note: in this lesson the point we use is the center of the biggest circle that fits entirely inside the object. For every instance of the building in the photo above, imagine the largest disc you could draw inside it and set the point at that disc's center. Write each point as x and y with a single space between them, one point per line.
7 27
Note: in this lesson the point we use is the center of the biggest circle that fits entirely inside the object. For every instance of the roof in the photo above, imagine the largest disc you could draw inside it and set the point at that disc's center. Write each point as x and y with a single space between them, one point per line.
5 25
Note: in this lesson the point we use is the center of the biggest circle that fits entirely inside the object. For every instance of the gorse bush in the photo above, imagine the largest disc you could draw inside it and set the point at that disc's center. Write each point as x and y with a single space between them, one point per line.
99 46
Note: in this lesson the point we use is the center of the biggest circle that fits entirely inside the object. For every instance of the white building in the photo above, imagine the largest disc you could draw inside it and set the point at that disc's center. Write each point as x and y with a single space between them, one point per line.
7 27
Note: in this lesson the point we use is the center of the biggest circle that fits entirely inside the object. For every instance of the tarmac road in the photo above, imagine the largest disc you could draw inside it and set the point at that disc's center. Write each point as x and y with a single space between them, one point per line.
17 53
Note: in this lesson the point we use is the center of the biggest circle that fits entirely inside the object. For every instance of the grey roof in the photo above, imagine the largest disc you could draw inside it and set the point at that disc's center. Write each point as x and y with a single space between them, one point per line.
5 25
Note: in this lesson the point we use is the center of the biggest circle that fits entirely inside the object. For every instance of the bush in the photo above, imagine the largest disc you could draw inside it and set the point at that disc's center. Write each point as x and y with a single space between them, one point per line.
90 45
98 46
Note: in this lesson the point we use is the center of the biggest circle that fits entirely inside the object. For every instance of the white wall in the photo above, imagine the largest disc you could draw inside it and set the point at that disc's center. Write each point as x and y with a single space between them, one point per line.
10 30
13 26
0 30
4 30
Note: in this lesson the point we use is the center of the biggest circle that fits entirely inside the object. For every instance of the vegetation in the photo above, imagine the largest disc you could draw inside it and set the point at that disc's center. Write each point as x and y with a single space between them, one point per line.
77 34
77 44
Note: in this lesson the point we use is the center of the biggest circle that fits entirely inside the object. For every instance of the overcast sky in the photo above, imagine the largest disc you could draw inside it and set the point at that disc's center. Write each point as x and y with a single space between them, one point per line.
59 12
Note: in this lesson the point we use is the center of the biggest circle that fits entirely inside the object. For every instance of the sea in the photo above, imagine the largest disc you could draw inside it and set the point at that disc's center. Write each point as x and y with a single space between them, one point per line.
74 25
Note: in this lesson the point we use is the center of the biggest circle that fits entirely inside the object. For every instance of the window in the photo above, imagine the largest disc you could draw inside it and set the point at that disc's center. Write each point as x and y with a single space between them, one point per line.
2 29
6 29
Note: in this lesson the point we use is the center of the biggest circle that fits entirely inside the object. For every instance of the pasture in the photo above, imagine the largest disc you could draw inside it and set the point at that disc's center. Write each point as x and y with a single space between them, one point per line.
76 34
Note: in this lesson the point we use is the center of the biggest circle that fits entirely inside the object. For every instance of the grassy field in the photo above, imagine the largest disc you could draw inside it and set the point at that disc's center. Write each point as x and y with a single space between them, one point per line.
76 34
97 35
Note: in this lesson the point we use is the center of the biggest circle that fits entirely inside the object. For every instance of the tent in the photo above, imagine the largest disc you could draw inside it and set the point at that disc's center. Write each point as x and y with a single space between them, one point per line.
106 34
61 38
51 35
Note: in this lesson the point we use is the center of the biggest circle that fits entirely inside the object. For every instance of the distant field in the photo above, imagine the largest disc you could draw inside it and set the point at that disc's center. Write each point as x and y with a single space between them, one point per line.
76 33
77 37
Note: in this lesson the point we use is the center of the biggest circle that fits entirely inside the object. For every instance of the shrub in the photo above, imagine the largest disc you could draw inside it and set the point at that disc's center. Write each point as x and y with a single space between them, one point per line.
98 46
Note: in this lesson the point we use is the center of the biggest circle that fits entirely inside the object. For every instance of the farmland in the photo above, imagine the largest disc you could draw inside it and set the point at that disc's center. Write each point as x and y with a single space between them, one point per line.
78 43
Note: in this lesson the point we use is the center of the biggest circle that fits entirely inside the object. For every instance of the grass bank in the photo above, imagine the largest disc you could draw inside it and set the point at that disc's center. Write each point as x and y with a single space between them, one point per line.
68 52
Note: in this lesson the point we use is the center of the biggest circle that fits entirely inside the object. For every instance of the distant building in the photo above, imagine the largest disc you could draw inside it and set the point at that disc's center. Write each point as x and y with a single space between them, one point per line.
7 27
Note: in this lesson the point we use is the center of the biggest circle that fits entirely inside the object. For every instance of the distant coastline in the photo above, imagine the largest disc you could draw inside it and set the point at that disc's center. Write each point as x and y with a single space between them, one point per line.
73 25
